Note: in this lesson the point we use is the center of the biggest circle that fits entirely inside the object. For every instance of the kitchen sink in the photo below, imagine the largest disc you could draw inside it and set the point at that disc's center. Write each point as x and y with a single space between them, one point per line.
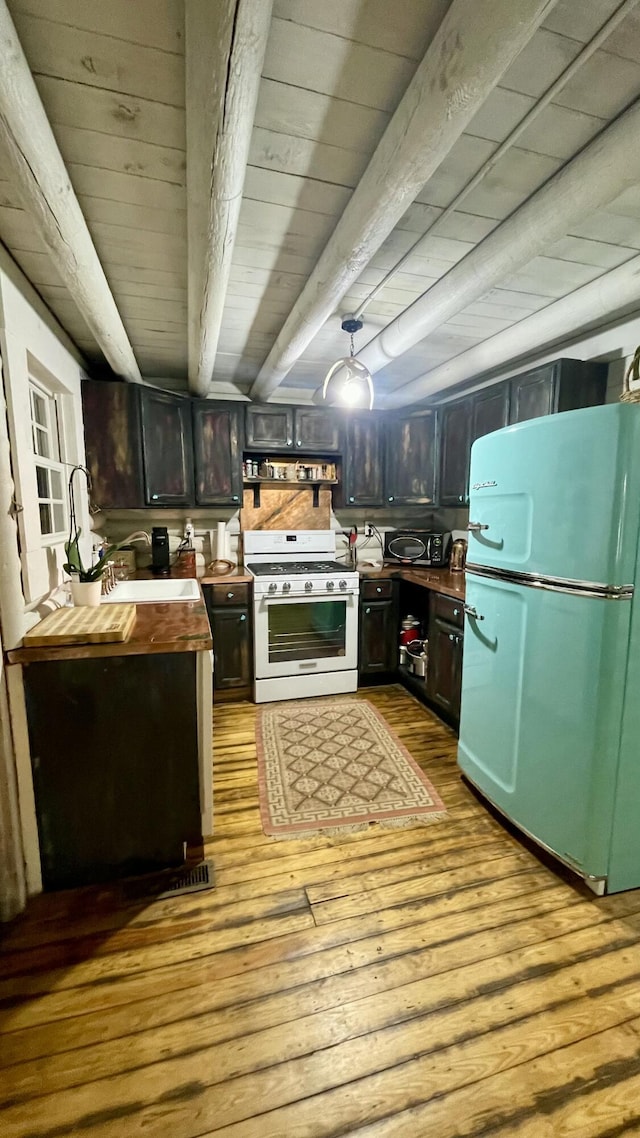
153 592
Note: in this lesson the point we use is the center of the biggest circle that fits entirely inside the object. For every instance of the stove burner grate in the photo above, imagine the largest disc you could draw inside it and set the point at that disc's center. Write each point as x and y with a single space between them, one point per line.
295 568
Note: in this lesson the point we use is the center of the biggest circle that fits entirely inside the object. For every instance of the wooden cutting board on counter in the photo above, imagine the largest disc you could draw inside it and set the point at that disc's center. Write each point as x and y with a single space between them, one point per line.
83 625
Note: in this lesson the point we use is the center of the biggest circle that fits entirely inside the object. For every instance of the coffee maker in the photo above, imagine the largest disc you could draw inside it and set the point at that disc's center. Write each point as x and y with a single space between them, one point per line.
159 549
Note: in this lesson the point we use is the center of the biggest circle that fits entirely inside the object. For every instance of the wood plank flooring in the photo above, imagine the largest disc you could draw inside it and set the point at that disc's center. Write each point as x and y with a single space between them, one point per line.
436 981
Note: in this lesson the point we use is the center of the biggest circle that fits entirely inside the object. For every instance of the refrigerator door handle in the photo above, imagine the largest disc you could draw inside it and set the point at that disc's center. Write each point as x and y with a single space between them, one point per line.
473 612
476 527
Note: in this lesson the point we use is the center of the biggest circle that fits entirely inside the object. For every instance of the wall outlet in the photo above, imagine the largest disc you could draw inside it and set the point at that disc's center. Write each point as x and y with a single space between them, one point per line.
368 529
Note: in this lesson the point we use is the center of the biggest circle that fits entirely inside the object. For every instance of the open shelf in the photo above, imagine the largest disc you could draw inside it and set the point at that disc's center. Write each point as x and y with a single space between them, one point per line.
291 481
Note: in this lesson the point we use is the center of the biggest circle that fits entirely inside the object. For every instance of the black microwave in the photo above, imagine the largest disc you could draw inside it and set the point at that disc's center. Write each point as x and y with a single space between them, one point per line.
417 547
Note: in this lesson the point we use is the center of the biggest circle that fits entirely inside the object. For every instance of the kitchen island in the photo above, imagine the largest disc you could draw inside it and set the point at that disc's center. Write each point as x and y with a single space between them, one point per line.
120 740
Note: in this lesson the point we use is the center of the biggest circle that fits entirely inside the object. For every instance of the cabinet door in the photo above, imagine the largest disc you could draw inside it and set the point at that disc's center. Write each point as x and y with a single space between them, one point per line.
532 394
111 414
444 670
126 799
410 460
362 464
490 411
217 443
231 631
455 429
317 430
167 453
378 637
269 428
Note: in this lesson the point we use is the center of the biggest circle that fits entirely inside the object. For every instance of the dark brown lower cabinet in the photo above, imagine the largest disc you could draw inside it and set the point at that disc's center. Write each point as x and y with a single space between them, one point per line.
114 749
378 638
231 628
444 671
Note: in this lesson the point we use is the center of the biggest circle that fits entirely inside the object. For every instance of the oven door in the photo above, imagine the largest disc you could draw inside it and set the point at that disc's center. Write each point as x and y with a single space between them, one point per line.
302 635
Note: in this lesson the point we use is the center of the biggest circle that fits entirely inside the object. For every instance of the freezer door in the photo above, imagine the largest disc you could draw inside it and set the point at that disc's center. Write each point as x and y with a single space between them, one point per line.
540 718
558 496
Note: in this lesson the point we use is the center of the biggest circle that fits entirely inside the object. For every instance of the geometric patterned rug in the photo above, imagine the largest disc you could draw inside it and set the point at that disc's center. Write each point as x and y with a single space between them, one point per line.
334 763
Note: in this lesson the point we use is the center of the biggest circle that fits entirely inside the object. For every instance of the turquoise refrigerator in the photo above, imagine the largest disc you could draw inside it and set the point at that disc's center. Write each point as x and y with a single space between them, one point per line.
550 714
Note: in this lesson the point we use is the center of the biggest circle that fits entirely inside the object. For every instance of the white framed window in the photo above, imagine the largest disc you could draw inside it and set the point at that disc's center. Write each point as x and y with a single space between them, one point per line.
49 453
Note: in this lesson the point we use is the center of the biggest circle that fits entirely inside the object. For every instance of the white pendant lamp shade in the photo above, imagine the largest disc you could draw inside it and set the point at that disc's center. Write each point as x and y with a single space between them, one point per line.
352 380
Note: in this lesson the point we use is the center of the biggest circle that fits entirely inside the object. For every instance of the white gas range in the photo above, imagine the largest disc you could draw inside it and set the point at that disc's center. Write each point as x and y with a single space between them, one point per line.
305 615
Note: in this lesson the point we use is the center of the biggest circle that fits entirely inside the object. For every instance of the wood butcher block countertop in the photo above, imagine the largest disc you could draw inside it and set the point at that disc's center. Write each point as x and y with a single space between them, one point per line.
181 626
437 580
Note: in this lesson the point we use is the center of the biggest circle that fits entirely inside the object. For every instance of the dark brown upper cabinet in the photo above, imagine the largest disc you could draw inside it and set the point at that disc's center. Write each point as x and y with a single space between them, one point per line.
563 385
269 428
111 413
167 452
490 410
410 459
362 462
218 439
316 429
273 428
455 433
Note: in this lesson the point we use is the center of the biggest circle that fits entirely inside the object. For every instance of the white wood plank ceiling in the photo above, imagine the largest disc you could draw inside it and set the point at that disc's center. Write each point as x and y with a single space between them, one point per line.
111 77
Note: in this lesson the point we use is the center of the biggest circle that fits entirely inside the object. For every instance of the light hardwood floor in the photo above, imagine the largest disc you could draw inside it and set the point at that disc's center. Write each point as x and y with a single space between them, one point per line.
437 981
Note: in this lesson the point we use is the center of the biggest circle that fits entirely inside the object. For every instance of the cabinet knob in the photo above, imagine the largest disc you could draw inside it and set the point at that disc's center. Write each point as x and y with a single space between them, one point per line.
390 498
235 498
351 498
243 616
378 588
289 442
299 443
154 497
456 612
461 497
367 610
451 636
230 596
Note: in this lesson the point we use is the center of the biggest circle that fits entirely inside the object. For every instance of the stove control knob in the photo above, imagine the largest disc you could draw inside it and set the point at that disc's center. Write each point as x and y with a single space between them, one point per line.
273 588
286 588
343 584
331 585
308 585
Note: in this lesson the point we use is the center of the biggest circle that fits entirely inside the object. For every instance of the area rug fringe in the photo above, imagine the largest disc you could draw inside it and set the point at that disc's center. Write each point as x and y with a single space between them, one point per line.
359 827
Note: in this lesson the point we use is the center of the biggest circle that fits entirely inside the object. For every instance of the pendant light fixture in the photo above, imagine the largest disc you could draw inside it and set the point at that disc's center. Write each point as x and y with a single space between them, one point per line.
355 385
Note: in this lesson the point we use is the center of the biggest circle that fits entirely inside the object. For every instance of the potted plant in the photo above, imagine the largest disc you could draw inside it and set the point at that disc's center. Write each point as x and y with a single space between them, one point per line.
86 584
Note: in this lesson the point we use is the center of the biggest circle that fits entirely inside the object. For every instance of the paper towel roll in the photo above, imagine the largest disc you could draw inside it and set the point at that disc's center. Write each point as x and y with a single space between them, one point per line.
221 541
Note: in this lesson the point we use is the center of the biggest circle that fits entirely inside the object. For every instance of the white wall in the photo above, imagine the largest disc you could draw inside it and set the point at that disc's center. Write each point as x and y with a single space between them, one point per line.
29 570
26 341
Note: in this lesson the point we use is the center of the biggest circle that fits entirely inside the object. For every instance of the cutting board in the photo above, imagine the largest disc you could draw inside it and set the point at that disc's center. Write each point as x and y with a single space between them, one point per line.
82 625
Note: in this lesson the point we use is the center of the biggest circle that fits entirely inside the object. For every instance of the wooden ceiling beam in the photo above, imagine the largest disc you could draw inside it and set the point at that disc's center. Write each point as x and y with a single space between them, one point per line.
40 175
603 169
473 47
225 47
586 308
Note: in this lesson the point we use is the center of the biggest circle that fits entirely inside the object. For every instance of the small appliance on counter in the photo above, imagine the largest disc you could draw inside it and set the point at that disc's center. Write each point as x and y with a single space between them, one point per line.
423 548
458 555
159 549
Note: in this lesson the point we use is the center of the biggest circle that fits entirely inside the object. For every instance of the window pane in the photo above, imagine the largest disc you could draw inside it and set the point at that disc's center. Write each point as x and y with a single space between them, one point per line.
43 482
46 525
56 485
59 523
39 409
42 443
